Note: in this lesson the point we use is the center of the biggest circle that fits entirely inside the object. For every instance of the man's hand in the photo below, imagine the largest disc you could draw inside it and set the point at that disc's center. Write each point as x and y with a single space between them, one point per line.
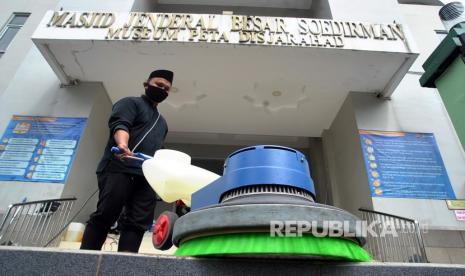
121 139
125 151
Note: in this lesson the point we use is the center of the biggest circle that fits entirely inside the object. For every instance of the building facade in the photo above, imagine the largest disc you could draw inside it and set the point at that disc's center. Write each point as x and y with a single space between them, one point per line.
312 75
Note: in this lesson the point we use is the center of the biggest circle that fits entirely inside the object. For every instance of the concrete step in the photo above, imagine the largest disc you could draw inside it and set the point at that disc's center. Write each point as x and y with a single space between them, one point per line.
111 245
37 261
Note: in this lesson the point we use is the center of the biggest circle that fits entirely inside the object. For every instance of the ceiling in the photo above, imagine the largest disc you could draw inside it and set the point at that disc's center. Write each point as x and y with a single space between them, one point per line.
231 88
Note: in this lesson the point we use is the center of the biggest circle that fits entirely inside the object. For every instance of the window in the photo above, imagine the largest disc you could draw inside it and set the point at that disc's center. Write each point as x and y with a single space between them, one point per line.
8 32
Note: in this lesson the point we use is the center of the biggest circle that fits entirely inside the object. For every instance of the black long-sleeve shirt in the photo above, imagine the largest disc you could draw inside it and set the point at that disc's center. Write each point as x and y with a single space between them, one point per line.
136 115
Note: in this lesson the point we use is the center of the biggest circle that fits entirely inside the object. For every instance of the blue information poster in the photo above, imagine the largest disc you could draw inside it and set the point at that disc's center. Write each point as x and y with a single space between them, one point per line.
404 165
39 149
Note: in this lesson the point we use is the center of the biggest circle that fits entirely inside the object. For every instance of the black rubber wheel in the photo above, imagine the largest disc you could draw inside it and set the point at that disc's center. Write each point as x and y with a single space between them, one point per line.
163 230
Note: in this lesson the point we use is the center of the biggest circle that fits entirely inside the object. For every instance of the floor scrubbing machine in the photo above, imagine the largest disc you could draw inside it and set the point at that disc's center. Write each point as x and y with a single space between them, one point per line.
264 204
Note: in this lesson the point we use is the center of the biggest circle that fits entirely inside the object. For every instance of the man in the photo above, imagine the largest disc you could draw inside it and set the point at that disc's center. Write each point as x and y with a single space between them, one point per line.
135 126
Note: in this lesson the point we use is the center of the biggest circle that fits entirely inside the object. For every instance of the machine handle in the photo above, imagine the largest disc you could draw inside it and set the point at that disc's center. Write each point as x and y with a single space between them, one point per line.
137 156
115 150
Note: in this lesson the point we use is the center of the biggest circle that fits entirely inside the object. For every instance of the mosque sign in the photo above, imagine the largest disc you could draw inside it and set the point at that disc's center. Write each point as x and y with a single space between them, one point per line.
228 29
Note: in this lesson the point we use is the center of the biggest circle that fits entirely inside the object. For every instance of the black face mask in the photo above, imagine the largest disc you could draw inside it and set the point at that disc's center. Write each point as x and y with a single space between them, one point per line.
156 94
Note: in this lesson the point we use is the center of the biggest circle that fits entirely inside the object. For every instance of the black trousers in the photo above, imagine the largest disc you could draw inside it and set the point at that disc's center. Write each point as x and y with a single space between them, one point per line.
118 191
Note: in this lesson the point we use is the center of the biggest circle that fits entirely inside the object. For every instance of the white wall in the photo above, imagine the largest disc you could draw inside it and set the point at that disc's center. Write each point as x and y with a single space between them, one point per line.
28 86
34 90
318 9
82 181
344 159
422 21
21 44
411 110
365 10
92 5
416 109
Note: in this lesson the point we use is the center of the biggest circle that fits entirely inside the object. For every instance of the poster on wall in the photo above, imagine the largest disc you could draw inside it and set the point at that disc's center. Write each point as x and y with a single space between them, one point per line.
404 165
39 149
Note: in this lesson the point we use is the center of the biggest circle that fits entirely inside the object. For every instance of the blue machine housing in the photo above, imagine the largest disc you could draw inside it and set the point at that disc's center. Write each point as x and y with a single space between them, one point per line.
257 165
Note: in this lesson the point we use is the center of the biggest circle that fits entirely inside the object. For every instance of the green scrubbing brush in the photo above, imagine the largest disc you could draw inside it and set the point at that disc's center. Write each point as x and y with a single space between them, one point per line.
264 244
266 189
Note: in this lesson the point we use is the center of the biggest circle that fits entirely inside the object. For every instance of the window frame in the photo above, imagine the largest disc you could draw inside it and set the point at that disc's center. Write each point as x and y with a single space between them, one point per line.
9 25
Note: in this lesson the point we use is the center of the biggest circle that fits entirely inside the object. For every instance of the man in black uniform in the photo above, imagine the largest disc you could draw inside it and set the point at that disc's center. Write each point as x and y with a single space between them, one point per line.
135 126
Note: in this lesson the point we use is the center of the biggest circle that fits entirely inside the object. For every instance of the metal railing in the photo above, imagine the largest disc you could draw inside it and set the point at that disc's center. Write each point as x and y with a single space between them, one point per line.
35 223
396 239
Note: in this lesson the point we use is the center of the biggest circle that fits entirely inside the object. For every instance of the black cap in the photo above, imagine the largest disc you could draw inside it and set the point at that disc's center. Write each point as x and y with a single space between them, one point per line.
165 74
